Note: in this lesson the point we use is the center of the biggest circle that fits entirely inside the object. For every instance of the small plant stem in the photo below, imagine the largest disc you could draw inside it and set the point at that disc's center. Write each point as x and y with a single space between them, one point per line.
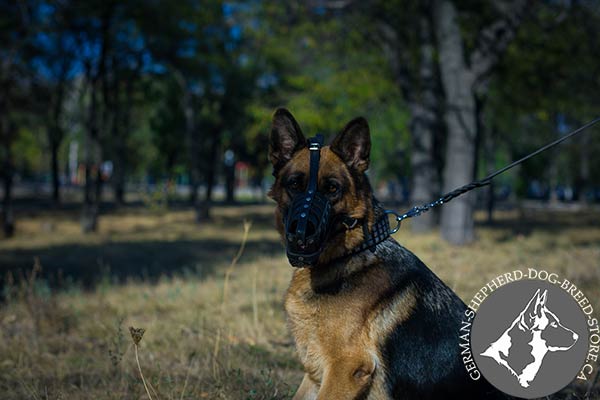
137 359
254 301
247 225
187 375
216 353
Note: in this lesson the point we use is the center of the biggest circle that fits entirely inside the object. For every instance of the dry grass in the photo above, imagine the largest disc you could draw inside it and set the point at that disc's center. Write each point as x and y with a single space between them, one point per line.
72 343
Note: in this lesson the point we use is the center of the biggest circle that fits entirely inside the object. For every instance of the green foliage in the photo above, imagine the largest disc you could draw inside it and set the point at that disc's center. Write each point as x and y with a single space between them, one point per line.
328 73
546 84
239 61
29 150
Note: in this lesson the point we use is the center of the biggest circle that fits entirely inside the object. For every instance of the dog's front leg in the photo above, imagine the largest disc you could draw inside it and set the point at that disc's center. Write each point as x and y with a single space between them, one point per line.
307 390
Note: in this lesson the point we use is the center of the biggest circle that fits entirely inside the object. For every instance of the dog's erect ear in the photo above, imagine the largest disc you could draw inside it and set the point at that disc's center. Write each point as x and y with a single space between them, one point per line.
286 138
353 144
530 311
540 303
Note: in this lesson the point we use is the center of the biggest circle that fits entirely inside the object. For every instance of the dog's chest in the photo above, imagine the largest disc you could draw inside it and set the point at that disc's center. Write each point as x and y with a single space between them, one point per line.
330 330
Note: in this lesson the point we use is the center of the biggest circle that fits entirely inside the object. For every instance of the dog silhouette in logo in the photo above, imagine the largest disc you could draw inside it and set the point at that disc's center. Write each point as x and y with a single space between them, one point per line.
535 332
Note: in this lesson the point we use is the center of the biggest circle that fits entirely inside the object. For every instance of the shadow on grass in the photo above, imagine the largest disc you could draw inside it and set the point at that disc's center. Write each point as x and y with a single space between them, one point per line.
544 221
90 265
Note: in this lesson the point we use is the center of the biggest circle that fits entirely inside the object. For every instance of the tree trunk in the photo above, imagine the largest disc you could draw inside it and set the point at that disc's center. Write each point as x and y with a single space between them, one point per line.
89 215
457 225
490 167
229 180
583 178
424 119
187 104
55 131
8 220
93 190
420 86
424 177
120 155
192 144
119 186
55 172
7 136
203 211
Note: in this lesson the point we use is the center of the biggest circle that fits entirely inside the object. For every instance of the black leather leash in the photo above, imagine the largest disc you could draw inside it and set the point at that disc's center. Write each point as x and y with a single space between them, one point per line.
418 210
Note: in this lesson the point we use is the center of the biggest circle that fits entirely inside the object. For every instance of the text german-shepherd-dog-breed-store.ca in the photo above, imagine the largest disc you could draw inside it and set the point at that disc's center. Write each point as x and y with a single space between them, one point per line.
369 319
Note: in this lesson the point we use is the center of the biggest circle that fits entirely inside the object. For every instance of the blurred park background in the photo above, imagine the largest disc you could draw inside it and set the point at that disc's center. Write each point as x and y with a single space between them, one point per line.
133 146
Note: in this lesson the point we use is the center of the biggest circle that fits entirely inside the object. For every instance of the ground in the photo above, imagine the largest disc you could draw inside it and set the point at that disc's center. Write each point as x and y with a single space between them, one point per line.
212 330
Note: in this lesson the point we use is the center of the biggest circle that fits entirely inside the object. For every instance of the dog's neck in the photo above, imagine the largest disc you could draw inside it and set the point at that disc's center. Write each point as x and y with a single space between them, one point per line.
538 351
336 267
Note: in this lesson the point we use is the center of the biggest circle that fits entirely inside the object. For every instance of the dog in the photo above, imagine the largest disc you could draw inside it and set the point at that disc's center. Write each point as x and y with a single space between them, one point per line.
539 331
369 321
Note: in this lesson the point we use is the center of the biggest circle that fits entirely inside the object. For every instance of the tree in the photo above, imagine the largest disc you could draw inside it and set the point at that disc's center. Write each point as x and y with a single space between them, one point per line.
549 74
326 81
95 35
462 80
54 59
407 38
20 21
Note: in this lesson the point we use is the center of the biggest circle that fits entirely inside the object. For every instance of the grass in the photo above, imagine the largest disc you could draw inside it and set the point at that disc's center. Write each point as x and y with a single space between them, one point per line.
64 326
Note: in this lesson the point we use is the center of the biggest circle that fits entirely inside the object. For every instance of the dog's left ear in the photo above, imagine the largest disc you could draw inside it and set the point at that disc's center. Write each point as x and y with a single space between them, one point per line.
353 144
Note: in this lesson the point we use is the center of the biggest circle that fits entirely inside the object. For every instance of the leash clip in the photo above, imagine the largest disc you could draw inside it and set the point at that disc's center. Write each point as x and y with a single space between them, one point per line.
398 219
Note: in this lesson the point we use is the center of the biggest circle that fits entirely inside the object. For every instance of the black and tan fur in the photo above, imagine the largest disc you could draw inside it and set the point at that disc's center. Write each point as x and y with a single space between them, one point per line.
376 325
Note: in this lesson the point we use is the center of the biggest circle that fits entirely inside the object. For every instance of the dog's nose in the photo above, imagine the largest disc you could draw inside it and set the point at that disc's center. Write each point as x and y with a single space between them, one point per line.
575 336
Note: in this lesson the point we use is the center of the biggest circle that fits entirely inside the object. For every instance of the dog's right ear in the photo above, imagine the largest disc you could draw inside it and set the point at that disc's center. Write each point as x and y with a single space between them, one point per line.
286 139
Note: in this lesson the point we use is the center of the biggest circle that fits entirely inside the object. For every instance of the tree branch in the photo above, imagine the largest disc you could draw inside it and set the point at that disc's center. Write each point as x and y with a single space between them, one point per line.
399 59
493 40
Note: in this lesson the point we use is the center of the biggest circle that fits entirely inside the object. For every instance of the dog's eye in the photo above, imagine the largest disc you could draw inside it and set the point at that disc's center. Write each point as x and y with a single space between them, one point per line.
332 188
294 184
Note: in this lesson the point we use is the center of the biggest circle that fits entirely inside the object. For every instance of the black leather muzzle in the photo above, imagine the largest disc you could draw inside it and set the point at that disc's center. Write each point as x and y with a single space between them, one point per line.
307 220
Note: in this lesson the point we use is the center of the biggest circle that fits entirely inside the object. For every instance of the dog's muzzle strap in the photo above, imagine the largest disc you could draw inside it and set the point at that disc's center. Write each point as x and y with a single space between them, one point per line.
307 219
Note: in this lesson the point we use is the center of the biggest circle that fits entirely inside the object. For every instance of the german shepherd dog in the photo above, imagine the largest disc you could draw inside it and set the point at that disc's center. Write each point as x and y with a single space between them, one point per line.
372 324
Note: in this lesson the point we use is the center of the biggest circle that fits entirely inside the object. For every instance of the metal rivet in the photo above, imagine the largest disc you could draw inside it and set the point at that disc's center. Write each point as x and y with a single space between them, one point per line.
310 192
300 258
303 215
306 206
308 199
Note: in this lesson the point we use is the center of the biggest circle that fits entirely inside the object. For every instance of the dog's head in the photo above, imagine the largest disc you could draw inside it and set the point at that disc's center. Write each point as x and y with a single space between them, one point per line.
537 317
341 183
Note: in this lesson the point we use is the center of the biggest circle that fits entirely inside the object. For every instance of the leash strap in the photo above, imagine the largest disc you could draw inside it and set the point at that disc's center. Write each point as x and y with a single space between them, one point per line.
418 210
